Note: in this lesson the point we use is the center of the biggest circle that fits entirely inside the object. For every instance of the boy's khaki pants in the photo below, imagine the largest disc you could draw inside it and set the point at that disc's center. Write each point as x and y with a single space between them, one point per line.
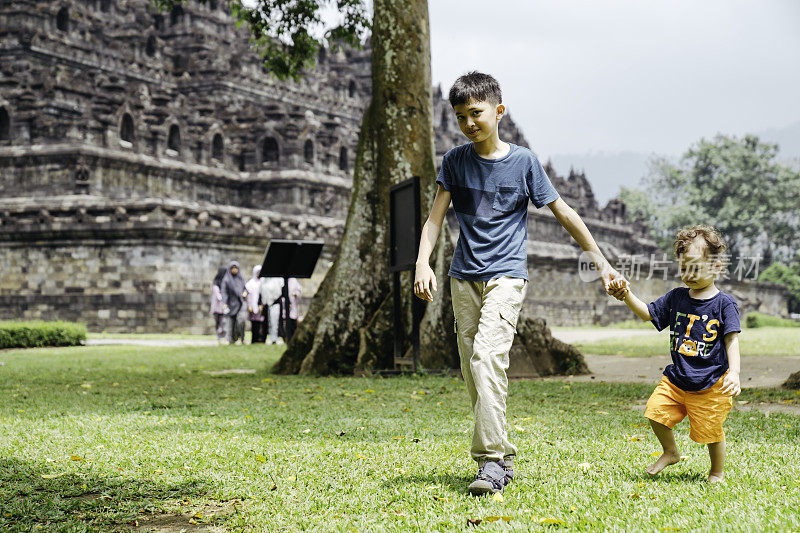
486 315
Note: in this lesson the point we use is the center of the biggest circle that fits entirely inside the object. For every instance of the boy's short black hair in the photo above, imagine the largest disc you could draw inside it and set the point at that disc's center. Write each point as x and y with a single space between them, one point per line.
475 86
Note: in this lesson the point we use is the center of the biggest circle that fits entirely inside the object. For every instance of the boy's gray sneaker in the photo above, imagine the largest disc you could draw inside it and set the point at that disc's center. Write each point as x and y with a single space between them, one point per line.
492 477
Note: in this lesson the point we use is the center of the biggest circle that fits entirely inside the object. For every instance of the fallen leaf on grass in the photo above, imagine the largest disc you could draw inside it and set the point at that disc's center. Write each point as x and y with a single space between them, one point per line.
341 433
585 466
603 413
273 487
440 498
53 476
369 390
636 438
552 522
498 518
519 428
76 457
474 521
742 402
654 454
634 496
267 380
260 458
498 497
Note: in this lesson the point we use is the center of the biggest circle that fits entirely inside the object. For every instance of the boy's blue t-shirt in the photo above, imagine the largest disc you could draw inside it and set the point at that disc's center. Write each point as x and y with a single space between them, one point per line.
490 198
697 336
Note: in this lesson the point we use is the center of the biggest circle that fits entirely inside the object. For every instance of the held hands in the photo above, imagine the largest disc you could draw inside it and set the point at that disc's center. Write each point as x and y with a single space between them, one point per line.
424 282
618 288
731 385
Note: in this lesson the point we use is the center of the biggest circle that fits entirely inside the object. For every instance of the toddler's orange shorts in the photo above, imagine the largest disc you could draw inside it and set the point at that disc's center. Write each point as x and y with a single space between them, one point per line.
706 409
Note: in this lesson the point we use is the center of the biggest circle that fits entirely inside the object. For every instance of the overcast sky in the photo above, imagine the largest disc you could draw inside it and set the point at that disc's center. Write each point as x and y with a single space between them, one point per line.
627 75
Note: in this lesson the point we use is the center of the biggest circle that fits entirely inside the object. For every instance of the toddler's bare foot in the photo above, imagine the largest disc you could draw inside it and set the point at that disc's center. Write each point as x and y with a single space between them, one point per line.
714 478
666 459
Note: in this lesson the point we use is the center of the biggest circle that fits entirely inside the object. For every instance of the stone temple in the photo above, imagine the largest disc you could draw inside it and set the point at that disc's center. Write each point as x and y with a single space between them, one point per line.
141 150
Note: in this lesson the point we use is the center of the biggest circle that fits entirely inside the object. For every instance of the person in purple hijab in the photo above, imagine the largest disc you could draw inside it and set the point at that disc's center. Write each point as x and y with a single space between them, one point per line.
234 294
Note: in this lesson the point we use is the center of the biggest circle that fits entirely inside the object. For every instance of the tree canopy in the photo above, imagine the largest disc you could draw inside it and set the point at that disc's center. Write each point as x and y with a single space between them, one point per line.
283 30
735 184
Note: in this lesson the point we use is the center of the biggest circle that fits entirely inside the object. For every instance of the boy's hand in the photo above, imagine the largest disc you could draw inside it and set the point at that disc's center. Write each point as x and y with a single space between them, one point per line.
731 385
424 282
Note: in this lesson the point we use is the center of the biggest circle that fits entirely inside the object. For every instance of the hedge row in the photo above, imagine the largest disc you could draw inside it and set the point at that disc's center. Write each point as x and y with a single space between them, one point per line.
760 320
37 334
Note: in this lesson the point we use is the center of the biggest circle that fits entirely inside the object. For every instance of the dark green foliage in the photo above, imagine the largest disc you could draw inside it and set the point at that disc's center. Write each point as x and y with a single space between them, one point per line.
789 276
734 184
38 334
761 320
282 30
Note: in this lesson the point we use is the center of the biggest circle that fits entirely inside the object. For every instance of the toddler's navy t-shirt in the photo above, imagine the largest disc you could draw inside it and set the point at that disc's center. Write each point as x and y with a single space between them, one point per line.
697 336
490 198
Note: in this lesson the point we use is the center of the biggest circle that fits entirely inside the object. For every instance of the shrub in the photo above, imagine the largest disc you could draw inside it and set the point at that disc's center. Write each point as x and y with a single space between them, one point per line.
761 320
37 334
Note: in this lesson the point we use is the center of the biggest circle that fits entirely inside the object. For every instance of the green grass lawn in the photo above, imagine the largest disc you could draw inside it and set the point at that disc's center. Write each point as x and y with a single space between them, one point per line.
756 341
99 438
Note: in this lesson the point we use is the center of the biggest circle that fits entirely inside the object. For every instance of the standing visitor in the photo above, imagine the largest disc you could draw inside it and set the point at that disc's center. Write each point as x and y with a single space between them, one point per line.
255 308
271 289
234 294
290 323
218 307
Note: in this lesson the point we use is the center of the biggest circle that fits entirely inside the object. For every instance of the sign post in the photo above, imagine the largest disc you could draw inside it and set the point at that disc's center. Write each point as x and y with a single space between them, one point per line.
289 259
405 230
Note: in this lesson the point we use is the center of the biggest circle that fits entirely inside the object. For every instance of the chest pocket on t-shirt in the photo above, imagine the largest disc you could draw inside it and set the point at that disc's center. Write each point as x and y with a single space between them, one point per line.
506 199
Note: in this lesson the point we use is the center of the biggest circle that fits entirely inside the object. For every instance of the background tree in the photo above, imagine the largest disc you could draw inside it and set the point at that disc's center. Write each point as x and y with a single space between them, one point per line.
789 276
737 185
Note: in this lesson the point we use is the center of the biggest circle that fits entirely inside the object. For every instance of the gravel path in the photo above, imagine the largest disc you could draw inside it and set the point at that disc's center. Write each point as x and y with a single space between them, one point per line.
757 371
151 342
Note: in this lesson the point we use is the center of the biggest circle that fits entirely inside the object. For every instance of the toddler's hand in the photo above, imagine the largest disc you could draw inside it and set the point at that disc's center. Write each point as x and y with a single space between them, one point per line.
731 385
619 288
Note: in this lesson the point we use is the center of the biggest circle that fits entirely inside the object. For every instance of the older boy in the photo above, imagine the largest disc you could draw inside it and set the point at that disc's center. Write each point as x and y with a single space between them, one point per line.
490 183
704 337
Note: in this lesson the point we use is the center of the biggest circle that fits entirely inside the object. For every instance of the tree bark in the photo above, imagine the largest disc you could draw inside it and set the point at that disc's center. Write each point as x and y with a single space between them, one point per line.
349 325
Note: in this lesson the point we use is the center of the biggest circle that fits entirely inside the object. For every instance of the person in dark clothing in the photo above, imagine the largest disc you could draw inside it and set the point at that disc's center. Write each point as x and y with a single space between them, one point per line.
234 294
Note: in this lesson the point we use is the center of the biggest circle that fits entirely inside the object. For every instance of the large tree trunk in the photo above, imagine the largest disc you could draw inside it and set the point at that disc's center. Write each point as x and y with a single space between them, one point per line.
349 325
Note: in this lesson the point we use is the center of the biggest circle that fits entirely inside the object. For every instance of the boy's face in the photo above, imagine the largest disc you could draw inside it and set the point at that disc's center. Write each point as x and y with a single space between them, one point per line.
478 120
698 270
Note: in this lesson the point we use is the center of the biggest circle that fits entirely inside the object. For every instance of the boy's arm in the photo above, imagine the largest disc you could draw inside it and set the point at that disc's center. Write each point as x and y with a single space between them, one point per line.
424 278
731 384
573 223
